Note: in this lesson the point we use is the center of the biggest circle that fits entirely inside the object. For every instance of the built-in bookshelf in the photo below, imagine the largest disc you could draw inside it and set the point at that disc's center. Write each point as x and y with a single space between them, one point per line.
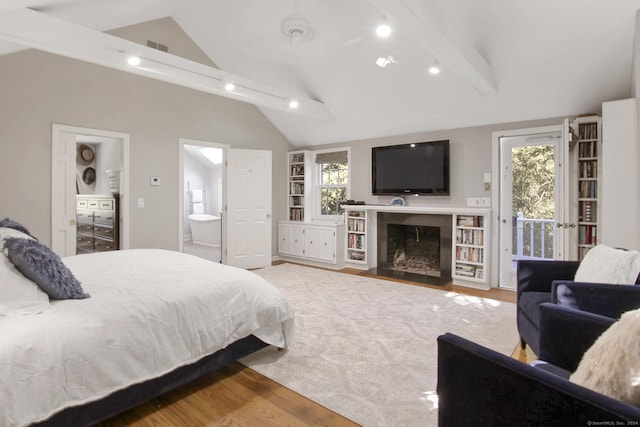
356 235
297 187
469 249
588 152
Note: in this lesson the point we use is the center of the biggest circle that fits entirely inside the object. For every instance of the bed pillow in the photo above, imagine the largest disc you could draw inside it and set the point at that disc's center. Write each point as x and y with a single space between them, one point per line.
9 223
612 365
19 295
43 266
604 264
6 233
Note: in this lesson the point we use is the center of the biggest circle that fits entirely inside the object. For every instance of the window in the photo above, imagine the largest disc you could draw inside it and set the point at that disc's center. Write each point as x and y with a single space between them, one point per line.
333 181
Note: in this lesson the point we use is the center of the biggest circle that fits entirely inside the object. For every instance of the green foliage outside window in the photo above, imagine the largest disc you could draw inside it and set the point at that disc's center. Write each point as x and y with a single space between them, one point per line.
534 196
333 187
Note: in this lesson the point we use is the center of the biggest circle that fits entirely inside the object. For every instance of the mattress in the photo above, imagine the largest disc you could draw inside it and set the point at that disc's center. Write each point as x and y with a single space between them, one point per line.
150 311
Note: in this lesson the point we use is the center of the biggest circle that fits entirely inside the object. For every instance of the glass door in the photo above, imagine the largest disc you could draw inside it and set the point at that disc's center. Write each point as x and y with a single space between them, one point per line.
532 207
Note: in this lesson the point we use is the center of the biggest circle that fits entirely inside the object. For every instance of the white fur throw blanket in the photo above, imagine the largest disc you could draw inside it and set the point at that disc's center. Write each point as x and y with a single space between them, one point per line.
612 365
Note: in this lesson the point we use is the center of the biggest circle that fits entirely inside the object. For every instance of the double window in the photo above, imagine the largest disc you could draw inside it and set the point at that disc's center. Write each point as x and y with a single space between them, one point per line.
333 181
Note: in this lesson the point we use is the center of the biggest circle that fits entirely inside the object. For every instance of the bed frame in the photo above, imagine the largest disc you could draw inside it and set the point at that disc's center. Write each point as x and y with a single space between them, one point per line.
122 400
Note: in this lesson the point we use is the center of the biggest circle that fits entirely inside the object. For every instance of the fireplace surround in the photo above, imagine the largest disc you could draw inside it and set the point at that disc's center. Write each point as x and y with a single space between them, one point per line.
415 247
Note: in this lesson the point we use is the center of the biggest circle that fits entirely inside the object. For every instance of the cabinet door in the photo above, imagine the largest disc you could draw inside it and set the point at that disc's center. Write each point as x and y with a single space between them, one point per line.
291 239
321 243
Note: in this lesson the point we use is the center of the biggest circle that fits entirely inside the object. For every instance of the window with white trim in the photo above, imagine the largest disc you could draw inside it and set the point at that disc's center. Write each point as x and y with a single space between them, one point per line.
333 181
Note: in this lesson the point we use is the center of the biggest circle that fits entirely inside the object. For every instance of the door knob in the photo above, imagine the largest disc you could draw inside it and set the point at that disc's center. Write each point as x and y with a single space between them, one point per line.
72 222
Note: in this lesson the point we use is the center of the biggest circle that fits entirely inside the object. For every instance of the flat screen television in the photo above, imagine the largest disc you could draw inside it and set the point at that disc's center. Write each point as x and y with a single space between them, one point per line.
420 168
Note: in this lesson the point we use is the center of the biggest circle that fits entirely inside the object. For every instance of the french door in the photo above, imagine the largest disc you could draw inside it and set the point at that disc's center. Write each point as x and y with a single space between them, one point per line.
533 206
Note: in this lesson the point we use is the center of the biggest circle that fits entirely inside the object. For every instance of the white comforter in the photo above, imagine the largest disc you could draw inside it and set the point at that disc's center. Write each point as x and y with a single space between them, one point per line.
150 311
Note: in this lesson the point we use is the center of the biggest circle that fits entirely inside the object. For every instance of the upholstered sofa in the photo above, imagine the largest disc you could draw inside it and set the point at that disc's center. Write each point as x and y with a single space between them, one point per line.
478 386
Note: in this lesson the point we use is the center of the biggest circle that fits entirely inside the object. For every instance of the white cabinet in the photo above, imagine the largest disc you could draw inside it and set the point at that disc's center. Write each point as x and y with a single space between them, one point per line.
321 243
291 239
356 235
470 236
589 170
298 184
313 242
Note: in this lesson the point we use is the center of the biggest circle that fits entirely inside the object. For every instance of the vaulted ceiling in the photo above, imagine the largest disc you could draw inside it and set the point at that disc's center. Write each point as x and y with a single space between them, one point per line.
501 60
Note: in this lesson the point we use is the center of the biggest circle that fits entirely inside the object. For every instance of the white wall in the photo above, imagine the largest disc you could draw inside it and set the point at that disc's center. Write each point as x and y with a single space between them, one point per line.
39 89
620 182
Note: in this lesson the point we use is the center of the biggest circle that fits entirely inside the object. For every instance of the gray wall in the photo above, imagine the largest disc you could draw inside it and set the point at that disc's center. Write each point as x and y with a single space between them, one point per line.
39 89
471 157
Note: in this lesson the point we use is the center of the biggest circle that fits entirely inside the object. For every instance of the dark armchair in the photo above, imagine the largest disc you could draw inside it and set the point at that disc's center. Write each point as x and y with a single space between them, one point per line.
534 284
478 386
540 282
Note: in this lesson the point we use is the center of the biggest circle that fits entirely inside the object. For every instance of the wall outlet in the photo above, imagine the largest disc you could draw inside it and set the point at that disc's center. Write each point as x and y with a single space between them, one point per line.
485 201
473 202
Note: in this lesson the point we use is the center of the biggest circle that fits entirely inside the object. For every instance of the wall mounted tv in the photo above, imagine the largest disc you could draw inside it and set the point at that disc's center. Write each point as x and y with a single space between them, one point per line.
420 168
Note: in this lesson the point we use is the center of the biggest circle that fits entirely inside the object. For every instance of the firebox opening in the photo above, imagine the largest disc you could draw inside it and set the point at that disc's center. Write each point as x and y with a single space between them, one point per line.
413 249
420 245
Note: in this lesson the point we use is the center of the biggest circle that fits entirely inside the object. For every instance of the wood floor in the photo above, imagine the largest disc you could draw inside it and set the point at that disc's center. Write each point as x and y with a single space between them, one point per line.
238 396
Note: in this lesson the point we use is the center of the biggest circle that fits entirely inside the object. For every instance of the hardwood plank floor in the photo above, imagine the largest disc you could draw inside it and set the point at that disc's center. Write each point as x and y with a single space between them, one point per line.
238 396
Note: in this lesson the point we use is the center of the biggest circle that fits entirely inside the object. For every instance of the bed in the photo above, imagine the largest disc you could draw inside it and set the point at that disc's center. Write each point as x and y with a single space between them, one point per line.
149 321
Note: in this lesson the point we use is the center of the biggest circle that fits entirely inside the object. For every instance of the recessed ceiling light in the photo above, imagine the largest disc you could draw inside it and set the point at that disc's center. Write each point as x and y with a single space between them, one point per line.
133 60
383 30
293 104
435 68
229 87
383 62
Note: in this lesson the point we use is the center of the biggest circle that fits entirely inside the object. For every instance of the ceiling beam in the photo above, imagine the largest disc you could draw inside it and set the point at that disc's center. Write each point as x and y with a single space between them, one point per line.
40 31
462 60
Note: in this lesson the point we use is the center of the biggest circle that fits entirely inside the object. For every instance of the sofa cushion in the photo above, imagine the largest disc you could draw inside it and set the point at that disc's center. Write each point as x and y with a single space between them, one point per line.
612 365
529 303
604 264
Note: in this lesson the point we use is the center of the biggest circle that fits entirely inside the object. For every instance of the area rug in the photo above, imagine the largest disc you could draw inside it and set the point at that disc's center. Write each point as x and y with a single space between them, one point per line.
366 347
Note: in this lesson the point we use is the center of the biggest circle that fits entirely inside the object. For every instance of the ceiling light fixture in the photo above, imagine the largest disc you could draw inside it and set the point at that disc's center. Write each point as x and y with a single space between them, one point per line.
383 62
383 30
229 86
134 60
293 104
435 68
297 29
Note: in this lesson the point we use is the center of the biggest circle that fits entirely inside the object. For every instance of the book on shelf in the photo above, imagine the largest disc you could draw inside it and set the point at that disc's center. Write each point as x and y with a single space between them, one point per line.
296 214
588 130
297 158
469 237
470 221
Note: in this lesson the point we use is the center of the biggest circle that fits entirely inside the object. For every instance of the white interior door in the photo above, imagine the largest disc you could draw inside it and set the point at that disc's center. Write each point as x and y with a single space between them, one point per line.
532 201
63 200
248 233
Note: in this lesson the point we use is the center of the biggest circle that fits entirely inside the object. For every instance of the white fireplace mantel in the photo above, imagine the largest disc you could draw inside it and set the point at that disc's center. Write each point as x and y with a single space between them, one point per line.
453 211
437 210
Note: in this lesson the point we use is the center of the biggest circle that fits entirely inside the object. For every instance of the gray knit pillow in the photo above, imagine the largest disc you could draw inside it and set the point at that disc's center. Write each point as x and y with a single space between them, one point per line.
45 268
9 223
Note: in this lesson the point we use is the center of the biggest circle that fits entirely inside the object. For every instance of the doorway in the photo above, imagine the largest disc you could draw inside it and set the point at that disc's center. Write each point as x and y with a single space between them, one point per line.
202 198
532 198
109 174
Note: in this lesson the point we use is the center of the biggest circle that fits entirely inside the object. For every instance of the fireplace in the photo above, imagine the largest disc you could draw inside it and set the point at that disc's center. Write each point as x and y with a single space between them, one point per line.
415 247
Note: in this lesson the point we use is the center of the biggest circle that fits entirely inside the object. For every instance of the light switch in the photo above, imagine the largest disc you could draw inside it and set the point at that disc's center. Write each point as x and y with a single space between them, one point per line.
140 202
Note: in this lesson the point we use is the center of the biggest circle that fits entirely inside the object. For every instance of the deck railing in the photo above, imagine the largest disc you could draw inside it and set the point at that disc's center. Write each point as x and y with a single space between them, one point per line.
532 238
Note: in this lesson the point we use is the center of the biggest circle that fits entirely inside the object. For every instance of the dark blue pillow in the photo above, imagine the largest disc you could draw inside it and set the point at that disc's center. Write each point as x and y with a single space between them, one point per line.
40 264
9 223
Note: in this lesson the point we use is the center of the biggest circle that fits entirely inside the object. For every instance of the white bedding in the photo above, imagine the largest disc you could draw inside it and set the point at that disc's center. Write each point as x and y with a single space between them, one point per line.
150 311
